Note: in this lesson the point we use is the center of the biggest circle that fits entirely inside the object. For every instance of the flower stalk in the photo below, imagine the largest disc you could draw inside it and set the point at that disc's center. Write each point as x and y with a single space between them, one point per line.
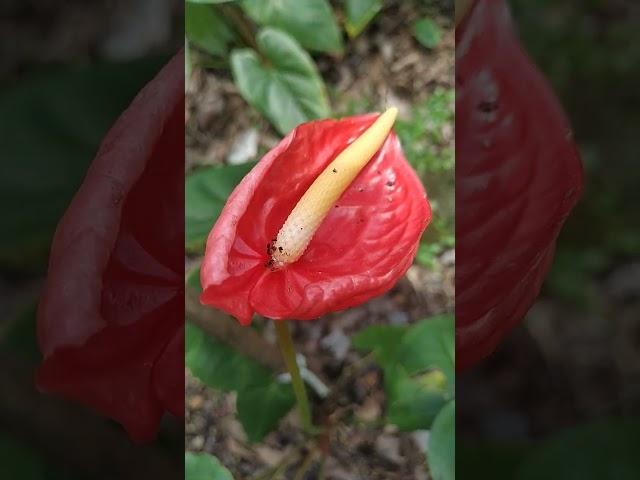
285 343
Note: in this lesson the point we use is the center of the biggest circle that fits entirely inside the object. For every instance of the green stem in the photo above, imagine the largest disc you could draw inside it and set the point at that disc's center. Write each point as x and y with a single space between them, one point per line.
289 354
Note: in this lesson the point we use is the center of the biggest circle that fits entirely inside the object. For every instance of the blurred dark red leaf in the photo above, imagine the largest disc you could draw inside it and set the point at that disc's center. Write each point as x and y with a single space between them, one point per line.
110 319
518 175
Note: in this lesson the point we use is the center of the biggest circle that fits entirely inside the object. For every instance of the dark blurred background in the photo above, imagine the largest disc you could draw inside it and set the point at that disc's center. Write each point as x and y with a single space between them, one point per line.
560 398
67 71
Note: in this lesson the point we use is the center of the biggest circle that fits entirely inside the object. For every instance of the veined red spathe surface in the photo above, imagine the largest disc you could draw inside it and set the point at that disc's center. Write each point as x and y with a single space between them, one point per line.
364 245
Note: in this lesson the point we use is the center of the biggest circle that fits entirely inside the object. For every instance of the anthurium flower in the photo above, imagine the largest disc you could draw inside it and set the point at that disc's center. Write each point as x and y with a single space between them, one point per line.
518 176
110 318
296 240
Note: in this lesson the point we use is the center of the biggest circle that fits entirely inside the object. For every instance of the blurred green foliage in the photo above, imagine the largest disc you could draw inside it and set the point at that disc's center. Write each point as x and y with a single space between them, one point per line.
605 449
21 461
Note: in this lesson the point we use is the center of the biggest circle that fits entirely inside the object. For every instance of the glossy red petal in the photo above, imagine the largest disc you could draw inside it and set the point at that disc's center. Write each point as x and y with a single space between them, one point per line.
114 298
518 175
362 248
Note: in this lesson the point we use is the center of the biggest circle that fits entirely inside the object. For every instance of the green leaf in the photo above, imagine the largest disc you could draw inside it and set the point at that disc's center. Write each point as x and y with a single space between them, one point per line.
604 449
430 344
426 345
201 466
310 22
260 408
206 29
358 14
285 85
220 366
441 454
383 340
206 192
52 123
413 404
261 400
427 32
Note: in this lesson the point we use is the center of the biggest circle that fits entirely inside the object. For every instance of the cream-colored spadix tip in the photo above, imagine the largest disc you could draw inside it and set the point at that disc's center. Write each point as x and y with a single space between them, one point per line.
306 217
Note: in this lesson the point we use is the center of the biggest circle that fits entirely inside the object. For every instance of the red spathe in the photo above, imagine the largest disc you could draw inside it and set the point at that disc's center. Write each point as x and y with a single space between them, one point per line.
364 245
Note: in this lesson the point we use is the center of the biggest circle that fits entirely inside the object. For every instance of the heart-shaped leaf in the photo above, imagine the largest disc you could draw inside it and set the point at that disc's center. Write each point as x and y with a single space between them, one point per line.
310 22
358 14
200 466
282 81
261 407
206 191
